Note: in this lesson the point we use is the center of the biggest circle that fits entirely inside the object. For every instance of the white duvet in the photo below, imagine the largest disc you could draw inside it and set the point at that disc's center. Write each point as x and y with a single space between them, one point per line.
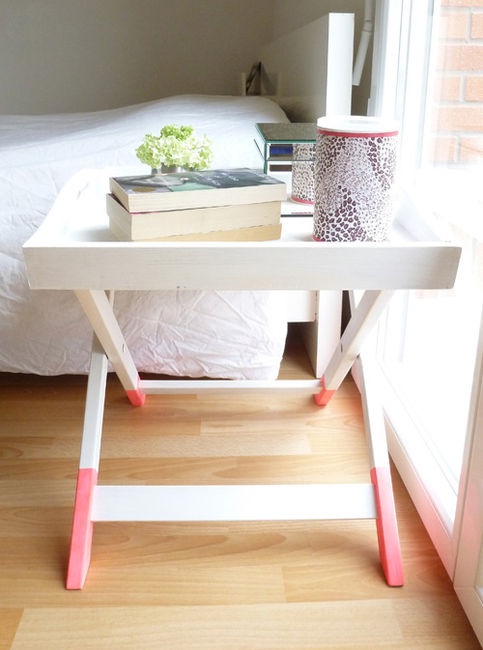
214 334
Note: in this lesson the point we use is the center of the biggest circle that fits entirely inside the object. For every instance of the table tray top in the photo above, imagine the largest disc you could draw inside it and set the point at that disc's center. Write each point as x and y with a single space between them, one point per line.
74 249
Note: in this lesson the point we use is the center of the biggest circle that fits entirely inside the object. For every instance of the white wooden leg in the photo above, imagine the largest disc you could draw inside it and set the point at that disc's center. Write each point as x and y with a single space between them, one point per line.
98 310
173 503
363 318
386 521
82 524
94 408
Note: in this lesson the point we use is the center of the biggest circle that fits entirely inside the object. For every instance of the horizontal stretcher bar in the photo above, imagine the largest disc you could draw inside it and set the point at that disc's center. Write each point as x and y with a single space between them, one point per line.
188 386
233 502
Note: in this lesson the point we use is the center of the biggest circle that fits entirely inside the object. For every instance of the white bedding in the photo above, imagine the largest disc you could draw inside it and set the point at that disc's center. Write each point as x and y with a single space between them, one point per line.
216 334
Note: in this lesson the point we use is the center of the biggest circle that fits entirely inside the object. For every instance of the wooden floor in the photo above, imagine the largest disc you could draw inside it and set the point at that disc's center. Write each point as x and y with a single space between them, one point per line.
252 586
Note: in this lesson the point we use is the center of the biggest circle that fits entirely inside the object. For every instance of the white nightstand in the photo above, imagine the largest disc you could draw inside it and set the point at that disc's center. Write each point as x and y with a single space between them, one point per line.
74 250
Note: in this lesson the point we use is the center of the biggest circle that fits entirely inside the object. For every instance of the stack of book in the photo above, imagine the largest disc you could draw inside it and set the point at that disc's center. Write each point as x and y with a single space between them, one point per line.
209 205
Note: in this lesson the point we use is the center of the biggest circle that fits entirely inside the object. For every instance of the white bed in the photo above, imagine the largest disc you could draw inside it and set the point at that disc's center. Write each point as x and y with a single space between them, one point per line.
226 335
216 334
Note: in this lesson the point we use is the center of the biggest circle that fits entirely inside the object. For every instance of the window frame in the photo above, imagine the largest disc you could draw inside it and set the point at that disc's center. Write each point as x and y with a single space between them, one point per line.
459 539
400 70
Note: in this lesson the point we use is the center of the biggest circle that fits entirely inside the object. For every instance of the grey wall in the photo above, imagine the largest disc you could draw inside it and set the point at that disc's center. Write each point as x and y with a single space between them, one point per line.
82 55
291 14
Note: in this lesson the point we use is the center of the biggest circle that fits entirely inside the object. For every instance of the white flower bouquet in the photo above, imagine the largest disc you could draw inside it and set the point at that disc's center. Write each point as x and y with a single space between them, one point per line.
175 146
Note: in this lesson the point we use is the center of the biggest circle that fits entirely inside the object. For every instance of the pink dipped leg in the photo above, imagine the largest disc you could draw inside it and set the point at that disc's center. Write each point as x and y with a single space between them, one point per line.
364 316
82 525
386 521
82 529
387 531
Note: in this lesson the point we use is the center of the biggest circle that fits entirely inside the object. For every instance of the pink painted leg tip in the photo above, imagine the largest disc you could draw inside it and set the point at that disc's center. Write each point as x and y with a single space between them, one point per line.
136 397
82 529
386 524
324 396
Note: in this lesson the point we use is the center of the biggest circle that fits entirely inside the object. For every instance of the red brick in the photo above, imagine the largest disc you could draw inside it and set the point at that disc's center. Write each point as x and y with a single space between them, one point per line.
461 3
471 149
476 30
461 57
448 88
460 118
474 89
454 25
443 149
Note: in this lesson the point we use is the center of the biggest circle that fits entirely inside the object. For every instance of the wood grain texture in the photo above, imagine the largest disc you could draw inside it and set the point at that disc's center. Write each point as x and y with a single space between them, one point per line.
226 586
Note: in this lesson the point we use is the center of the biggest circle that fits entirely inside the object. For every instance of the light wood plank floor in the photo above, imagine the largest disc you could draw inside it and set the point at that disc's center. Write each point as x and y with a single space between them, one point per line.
252 586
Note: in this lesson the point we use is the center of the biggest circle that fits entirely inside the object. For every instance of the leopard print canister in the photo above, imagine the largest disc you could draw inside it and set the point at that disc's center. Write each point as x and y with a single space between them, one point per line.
353 180
303 165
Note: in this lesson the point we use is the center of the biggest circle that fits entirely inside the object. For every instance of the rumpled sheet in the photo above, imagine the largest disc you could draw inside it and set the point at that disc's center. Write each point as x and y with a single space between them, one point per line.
232 335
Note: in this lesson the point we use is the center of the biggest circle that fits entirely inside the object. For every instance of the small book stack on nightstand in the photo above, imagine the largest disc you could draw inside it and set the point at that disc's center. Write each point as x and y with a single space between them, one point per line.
208 205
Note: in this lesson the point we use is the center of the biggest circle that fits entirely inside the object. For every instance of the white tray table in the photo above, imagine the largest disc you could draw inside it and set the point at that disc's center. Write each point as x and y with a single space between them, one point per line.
74 250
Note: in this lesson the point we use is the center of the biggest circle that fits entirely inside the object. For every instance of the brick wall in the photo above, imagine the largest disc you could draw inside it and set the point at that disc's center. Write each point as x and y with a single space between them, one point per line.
458 102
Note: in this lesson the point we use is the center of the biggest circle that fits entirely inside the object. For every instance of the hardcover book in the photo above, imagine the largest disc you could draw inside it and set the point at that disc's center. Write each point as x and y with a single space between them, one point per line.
196 189
137 226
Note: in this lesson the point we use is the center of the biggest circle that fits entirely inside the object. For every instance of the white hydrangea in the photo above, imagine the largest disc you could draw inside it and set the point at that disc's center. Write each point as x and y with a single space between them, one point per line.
175 146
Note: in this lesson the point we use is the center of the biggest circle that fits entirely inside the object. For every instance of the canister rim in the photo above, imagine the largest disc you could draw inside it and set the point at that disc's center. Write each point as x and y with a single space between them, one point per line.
358 125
